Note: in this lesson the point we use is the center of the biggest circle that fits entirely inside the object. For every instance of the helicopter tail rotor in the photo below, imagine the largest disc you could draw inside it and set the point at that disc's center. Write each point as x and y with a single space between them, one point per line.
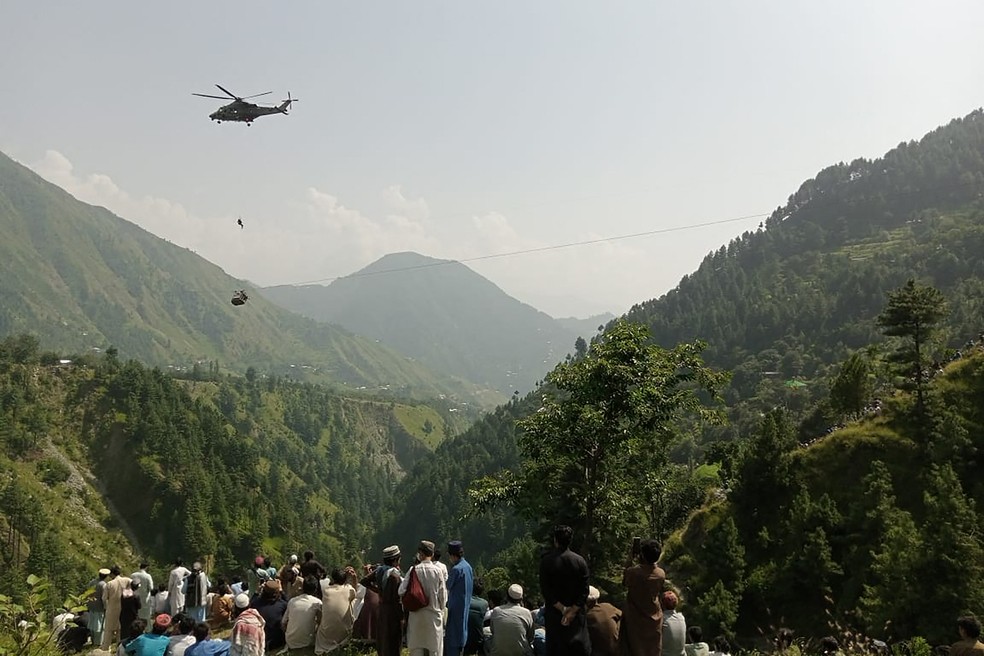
285 105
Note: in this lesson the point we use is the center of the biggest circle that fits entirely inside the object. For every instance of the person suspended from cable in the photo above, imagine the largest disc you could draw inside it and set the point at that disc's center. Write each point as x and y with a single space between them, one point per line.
239 297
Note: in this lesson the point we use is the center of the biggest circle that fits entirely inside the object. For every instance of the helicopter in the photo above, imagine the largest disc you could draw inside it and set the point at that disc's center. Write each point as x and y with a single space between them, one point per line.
240 110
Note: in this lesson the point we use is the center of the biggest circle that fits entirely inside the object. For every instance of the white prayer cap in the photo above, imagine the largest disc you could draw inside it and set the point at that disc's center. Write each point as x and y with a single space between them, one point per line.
515 592
593 593
242 600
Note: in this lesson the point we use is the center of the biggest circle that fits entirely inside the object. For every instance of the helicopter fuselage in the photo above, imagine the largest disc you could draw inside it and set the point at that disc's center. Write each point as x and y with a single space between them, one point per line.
245 112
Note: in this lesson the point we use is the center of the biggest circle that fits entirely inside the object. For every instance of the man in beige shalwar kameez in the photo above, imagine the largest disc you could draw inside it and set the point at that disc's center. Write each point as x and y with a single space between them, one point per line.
112 599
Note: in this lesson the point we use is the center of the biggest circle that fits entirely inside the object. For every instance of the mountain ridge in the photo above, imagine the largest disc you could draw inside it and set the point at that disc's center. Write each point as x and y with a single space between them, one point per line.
82 278
443 314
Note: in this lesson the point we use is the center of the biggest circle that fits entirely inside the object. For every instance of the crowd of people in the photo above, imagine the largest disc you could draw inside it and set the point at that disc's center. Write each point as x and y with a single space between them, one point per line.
431 608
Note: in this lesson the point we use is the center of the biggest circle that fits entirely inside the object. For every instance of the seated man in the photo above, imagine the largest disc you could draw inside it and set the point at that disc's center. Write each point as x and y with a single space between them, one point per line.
969 629
154 643
204 645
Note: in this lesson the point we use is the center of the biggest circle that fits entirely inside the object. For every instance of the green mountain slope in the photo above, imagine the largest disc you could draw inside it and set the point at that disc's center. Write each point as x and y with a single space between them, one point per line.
800 292
873 526
443 314
790 300
102 461
81 278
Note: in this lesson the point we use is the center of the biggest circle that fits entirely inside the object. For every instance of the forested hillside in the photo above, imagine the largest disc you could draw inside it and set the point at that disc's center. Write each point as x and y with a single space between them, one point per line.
783 308
803 290
81 278
221 468
444 315
874 527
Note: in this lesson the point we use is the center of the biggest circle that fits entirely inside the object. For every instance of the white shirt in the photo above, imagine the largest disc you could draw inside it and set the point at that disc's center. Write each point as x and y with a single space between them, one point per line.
301 620
674 634
146 586
425 627
177 644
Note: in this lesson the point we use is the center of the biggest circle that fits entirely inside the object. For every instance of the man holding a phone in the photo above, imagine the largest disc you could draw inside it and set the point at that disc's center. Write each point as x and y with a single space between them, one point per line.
641 632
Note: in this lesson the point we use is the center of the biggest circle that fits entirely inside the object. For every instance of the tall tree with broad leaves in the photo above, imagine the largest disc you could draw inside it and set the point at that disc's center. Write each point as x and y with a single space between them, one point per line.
914 313
604 421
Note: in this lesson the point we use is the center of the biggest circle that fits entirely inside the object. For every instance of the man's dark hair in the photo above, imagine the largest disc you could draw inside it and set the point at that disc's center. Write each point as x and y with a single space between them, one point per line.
828 645
186 624
201 631
437 555
391 561
114 570
563 535
722 645
695 634
137 627
178 562
478 587
144 564
308 555
338 576
970 625
310 585
651 551
495 598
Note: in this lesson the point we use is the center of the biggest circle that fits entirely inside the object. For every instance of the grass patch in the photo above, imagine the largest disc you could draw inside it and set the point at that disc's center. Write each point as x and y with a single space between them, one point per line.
422 422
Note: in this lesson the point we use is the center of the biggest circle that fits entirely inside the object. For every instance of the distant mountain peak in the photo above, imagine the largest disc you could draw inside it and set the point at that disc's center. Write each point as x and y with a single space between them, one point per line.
443 314
402 261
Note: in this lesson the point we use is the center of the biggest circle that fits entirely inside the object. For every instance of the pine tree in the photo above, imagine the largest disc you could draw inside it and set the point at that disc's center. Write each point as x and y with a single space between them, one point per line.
914 312
852 388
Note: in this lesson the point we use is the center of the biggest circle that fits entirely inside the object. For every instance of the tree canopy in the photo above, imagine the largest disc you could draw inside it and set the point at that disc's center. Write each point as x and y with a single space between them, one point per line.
606 422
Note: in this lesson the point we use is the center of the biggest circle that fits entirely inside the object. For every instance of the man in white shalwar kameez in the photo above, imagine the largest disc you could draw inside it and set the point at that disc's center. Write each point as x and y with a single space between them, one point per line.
145 591
175 587
425 627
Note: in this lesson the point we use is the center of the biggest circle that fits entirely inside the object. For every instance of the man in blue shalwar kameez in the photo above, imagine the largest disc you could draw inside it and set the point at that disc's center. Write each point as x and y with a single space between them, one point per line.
460 578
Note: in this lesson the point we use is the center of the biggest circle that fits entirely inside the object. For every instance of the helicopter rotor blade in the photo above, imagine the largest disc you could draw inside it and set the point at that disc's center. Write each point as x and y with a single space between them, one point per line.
229 93
205 95
265 93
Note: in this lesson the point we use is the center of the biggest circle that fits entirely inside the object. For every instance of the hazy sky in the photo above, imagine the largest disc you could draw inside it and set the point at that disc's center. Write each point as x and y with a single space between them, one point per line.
459 128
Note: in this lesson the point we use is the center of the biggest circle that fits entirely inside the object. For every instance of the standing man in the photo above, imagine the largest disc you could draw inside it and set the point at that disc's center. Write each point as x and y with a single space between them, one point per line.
145 591
564 582
425 626
113 600
641 632
512 626
196 593
97 609
385 580
175 586
460 583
